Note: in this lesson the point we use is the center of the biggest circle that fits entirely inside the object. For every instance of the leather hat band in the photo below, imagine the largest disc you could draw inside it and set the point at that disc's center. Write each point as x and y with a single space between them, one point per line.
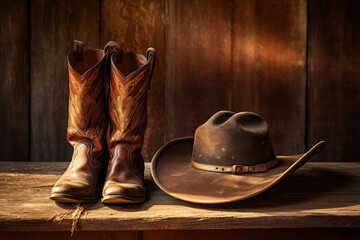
235 169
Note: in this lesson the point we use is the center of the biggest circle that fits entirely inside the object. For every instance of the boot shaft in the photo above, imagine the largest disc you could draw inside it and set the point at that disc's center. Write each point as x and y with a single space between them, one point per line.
129 82
87 116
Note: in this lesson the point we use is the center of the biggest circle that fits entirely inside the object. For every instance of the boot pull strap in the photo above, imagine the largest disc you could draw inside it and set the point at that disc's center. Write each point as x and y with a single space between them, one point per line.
78 49
150 55
113 47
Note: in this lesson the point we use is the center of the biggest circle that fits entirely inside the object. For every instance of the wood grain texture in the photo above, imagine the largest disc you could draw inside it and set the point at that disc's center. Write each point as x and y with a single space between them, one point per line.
255 234
14 81
239 234
319 195
55 24
237 55
198 59
136 26
242 234
92 235
269 67
334 78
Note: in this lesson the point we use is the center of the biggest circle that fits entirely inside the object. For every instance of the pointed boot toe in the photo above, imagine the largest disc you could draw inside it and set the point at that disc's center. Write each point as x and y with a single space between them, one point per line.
122 193
72 192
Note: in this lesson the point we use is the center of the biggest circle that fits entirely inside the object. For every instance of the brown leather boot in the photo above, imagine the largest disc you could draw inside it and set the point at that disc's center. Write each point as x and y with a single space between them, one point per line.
129 81
87 125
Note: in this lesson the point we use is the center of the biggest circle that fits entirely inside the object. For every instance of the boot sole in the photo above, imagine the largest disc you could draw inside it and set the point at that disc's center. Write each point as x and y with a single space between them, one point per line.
67 198
120 199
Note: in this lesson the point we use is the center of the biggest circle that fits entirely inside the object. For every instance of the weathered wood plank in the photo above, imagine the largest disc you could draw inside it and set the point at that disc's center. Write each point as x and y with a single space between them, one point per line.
269 67
334 89
137 25
14 81
198 70
119 235
322 195
239 234
255 234
54 26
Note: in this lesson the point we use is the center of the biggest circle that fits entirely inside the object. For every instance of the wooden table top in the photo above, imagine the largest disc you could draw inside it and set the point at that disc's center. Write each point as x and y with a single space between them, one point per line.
322 195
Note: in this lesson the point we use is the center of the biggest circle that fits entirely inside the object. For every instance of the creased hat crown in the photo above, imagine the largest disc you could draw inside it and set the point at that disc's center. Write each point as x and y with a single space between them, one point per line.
229 139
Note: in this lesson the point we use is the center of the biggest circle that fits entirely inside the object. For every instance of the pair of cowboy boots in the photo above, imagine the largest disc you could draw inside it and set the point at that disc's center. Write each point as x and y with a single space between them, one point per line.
106 125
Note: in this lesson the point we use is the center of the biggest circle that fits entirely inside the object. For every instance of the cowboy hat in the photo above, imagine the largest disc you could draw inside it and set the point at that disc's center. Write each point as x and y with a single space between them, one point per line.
230 158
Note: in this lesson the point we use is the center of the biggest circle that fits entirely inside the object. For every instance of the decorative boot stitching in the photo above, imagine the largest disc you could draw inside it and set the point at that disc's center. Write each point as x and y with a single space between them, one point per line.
89 150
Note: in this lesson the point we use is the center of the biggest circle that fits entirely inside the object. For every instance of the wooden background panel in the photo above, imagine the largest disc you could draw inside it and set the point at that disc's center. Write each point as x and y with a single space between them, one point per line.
198 73
54 26
334 93
136 26
14 81
212 55
269 67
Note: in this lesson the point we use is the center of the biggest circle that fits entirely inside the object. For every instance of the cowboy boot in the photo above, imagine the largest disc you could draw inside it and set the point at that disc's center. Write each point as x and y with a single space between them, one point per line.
130 77
87 125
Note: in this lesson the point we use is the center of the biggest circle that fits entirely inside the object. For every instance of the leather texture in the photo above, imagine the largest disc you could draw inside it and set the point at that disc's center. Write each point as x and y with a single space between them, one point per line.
229 141
87 126
130 76
230 158
235 169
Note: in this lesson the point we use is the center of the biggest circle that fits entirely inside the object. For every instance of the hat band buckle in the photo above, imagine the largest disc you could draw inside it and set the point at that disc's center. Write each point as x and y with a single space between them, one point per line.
235 169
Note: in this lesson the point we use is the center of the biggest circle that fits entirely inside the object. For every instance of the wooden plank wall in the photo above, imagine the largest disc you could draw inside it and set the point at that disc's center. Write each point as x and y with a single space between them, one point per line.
334 78
230 55
269 67
53 26
293 62
14 81
199 77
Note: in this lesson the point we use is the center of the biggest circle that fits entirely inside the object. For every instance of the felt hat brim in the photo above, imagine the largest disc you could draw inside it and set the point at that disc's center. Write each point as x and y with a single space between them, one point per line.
172 171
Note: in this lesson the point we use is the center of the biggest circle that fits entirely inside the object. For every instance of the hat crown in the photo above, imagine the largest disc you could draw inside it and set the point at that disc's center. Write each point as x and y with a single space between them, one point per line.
229 139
